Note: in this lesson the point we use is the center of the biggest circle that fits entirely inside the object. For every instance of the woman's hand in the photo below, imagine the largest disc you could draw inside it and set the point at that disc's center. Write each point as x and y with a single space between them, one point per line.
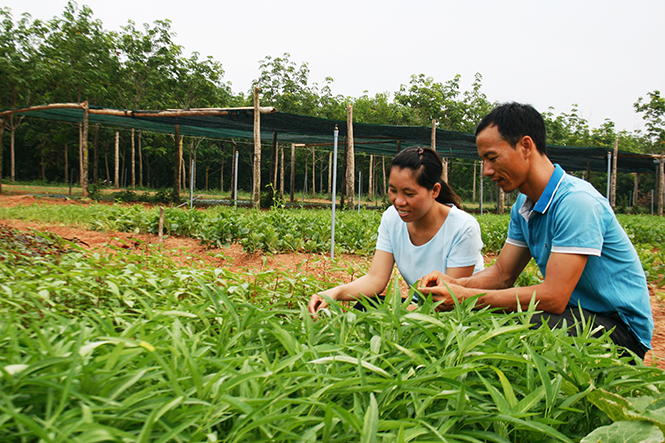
316 302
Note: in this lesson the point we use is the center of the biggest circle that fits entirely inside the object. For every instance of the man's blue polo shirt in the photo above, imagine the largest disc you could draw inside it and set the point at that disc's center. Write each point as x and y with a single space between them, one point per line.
571 217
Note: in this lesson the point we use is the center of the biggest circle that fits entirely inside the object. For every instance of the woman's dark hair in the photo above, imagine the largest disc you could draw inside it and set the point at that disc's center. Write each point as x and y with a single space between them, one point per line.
427 169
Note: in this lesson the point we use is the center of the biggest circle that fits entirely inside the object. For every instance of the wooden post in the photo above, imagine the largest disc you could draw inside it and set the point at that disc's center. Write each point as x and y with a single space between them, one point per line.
475 179
313 172
342 194
371 177
66 164
256 192
293 170
84 149
116 178
399 146
161 224
273 163
12 153
501 202
636 189
350 159
2 134
613 186
176 167
233 171
383 169
95 172
140 161
281 172
661 191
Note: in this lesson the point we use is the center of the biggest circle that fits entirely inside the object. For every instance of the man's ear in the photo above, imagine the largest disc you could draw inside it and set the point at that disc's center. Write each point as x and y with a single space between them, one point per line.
529 145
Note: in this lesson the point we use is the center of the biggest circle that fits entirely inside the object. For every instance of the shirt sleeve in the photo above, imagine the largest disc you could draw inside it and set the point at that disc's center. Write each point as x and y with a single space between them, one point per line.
383 238
467 245
515 234
579 225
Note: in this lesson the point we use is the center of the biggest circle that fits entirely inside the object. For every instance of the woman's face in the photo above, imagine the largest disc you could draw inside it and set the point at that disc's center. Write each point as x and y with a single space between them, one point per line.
411 200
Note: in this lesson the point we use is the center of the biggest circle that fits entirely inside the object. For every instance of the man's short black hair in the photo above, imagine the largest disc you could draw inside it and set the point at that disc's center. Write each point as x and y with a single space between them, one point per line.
514 121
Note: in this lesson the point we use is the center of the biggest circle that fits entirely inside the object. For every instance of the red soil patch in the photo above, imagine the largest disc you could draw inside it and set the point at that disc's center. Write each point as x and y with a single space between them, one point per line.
190 252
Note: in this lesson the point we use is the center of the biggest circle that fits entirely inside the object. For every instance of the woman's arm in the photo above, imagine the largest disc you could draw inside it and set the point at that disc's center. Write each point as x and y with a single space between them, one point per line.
371 284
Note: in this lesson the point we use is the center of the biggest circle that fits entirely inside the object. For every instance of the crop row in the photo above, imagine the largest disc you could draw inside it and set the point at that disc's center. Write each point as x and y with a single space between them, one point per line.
132 348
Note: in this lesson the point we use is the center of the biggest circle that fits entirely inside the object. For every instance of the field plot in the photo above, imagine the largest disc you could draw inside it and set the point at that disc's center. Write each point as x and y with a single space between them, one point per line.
109 336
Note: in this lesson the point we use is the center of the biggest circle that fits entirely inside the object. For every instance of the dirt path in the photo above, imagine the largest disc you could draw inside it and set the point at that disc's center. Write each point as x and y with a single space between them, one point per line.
189 252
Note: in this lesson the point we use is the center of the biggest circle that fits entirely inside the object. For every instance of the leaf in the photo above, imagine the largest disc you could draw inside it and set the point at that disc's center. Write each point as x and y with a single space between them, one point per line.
626 432
351 360
371 423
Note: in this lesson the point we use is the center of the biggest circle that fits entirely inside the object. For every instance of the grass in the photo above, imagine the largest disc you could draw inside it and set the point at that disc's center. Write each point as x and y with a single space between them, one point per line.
126 347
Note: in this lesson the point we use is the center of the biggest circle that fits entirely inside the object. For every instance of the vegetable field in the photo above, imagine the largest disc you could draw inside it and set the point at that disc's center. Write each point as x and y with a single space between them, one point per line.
128 344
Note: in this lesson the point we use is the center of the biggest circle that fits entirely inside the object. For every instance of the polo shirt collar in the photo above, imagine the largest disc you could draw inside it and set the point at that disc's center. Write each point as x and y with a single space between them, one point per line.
546 197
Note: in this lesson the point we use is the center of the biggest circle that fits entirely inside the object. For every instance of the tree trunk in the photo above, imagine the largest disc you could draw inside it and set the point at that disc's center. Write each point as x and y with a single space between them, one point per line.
116 178
256 169
42 163
133 160
350 159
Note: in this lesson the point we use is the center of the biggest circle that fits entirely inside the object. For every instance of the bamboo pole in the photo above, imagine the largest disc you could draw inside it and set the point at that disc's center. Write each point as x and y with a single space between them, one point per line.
501 202
350 159
142 113
84 148
383 169
256 193
475 179
613 186
116 178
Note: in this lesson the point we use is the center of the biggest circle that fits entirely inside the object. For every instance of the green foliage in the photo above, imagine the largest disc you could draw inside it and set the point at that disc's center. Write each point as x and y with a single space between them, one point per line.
130 347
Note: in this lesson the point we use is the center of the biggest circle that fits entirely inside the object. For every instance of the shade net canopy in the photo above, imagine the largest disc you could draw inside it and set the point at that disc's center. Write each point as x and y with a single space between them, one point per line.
315 131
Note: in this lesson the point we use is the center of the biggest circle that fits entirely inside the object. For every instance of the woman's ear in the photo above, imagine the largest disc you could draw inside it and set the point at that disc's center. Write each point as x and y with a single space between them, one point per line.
436 190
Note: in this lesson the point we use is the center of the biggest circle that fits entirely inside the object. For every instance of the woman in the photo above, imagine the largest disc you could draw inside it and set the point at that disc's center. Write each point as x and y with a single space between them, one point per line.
423 230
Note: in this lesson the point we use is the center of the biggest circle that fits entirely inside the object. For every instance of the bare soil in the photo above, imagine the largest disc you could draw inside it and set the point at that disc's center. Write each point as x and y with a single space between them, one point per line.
190 252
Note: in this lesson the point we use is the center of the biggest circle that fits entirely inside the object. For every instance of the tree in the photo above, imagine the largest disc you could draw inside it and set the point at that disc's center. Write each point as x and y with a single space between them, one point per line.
654 116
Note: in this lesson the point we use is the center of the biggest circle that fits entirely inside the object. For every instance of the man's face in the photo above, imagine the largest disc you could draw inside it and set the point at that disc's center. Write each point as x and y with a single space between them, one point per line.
505 165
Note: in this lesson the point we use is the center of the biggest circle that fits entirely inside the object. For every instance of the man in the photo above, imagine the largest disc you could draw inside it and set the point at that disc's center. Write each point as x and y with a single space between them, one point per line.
569 229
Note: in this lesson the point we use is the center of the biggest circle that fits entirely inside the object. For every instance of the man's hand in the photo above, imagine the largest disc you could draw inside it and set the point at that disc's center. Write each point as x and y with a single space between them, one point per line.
435 283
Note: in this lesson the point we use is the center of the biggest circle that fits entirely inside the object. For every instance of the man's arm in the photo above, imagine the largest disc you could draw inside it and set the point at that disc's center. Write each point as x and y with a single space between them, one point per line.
502 274
562 274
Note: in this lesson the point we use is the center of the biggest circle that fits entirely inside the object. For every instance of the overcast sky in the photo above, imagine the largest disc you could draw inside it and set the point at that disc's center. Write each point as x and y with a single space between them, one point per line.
599 54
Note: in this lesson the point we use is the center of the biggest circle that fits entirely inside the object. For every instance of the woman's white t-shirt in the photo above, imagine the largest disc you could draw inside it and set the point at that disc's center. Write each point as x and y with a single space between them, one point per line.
457 244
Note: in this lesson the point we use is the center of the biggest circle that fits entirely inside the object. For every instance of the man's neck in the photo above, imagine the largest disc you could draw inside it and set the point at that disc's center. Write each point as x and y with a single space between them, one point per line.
540 172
